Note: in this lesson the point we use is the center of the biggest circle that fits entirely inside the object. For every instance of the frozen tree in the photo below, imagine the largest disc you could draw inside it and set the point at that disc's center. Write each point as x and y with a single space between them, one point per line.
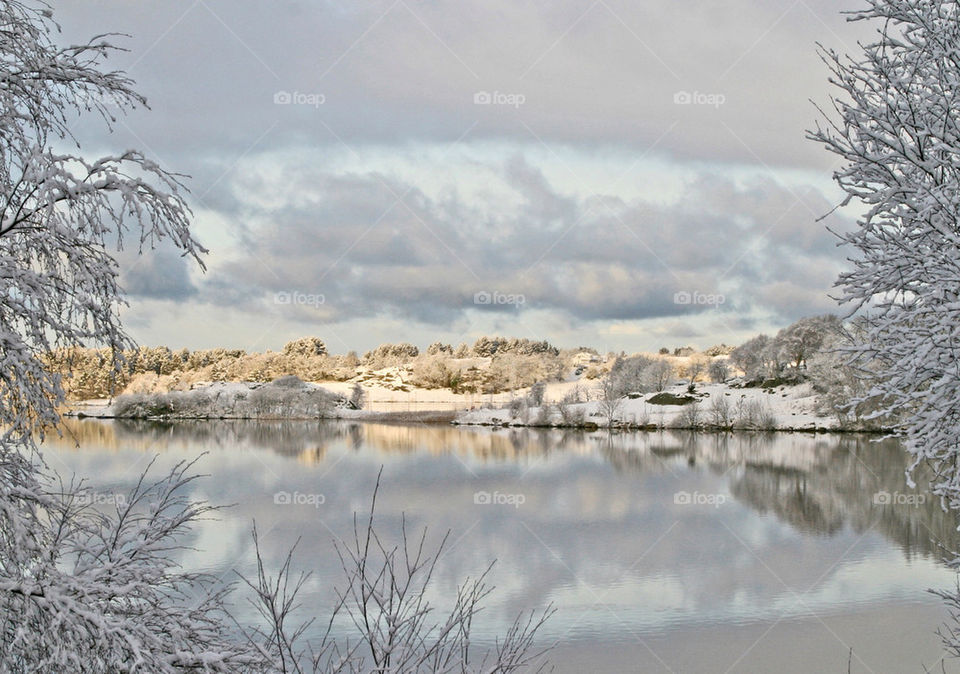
439 348
751 356
305 346
536 393
894 125
610 399
696 366
799 341
718 370
60 211
627 375
80 589
358 397
657 375
92 589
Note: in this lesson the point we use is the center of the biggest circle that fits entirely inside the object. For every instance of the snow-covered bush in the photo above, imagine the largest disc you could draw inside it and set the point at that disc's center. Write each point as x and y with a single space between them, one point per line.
571 415
305 346
536 393
627 375
358 397
718 370
658 375
691 416
720 411
754 415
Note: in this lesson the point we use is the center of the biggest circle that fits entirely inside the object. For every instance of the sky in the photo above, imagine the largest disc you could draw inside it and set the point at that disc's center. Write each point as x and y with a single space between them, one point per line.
616 174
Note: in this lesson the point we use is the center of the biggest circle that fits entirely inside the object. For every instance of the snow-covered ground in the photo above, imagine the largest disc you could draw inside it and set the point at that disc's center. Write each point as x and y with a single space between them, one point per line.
789 407
785 407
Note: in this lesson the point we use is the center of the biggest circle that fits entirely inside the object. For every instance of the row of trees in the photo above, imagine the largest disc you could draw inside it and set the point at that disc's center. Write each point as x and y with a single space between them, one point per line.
491 365
515 363
765 357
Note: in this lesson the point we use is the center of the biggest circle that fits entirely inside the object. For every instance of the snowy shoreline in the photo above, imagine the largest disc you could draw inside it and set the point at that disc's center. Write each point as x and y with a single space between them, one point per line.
709 408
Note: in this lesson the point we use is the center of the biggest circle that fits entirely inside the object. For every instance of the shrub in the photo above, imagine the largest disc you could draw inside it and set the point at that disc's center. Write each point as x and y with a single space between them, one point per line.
543 416
690 416
570 415
288 381
721 412
535 395
358 397
305 346
754 415
719 370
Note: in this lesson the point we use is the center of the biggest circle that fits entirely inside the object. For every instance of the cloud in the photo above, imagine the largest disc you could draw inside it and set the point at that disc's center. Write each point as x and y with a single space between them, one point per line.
159 274
399 72
370 253
594 160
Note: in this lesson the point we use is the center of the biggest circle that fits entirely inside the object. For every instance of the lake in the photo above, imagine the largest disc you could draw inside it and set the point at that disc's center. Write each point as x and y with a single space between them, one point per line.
663 552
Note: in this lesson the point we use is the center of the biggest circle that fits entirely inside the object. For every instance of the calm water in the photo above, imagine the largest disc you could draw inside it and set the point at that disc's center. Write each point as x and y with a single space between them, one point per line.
662 552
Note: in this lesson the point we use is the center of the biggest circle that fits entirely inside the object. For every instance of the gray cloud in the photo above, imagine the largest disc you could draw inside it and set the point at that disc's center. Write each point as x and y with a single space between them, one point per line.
390 73
160 274
591 258
310 203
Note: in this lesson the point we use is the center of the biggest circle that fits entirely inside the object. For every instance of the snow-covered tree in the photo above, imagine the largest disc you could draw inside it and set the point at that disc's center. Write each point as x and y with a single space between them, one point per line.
895 123
658 374
627 375
305 346
718 370
806 337
80 589
751 356
88 589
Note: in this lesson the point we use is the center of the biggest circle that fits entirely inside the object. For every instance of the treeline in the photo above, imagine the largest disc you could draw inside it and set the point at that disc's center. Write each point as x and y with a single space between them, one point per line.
490 365
804 351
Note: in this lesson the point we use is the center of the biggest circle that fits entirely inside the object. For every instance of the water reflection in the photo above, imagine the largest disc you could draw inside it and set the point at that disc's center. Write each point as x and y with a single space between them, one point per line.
815 483
800 534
